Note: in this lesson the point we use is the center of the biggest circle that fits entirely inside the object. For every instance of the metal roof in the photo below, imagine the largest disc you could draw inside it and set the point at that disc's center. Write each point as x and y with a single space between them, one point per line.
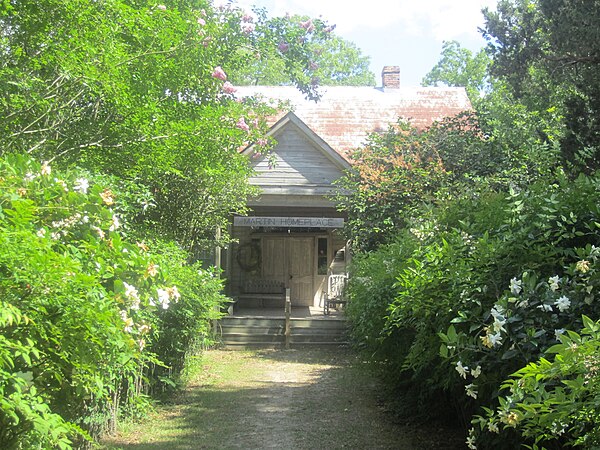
344 116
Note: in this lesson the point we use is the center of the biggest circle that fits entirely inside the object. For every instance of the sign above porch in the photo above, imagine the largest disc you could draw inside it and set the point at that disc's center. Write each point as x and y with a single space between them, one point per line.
289 222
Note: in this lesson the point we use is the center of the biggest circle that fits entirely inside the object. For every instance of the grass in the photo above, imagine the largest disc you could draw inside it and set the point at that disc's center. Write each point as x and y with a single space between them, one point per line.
299 399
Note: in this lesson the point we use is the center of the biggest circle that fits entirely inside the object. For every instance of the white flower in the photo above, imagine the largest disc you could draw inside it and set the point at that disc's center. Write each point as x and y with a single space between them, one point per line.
563 303
462 370
29 177
495 339
545 307
163 298
81 185
493 427
471 440
558 428
497 313
498 325
99 231
46 170
174 293
558 332
471 390
41 232
115 223
583 266
515 286
128 322
476 371
130 291
553 283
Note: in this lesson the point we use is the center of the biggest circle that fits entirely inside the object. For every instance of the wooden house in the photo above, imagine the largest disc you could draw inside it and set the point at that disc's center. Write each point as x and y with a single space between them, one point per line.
292 237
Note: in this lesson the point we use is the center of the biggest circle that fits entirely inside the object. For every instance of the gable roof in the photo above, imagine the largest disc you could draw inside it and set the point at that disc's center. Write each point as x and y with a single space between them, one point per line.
292 119
344 115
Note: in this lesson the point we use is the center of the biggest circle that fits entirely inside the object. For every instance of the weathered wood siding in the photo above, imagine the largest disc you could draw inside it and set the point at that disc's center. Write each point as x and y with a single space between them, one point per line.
298 164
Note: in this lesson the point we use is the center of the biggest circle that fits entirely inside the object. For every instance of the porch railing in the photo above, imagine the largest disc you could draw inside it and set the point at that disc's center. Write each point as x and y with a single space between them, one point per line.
288 314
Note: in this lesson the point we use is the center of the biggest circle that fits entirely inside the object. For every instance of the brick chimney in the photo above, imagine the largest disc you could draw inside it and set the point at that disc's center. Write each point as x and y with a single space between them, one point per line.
390 77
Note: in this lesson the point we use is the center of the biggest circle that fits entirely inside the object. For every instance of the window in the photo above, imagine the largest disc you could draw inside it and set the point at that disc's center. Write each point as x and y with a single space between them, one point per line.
322 256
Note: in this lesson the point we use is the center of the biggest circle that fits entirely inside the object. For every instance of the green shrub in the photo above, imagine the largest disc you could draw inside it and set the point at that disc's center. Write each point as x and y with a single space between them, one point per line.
454 279
554 403
85 313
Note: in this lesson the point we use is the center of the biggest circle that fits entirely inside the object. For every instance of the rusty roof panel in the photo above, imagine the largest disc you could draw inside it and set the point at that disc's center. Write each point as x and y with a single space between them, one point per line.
346 115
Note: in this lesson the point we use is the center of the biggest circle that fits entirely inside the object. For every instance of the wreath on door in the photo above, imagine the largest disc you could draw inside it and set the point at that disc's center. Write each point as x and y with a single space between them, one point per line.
248 256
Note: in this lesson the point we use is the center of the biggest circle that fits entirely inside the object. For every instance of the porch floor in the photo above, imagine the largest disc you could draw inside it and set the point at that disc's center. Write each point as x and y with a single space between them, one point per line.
298 312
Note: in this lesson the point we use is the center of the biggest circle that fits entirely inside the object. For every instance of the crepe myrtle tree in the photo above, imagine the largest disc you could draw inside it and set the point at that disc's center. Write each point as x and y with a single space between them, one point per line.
141 90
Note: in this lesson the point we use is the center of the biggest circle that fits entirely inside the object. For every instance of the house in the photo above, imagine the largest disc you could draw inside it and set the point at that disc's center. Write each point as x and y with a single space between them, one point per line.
292 238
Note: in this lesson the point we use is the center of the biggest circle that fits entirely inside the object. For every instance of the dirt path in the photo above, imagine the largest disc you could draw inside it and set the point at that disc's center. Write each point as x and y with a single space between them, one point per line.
298 399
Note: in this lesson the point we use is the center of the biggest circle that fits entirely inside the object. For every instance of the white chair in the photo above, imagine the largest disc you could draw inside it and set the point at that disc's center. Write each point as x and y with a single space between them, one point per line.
335 295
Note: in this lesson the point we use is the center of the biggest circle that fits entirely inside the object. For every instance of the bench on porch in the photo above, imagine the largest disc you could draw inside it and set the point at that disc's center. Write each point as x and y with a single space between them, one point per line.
261 293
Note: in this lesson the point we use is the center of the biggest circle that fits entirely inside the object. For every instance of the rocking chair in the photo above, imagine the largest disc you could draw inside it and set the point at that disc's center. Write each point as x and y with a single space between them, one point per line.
334 296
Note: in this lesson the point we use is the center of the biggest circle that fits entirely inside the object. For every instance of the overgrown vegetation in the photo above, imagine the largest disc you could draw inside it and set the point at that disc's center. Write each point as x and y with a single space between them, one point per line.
119 139
475 282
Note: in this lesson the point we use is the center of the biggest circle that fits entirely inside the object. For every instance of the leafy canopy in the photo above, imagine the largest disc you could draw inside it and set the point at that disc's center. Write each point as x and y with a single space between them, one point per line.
139 91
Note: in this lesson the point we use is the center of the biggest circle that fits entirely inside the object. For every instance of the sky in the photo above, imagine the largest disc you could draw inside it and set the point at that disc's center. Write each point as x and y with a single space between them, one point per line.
405 33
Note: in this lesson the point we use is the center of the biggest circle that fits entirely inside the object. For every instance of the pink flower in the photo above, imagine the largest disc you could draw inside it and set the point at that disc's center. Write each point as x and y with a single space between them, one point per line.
313 65
161 7
308 26
219 73
201 21
247 28
228 88
206 42
329 29
262 142
248 18
283 47
242 125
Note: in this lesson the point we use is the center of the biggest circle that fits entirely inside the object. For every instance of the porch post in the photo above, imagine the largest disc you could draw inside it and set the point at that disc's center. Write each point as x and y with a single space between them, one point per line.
288 313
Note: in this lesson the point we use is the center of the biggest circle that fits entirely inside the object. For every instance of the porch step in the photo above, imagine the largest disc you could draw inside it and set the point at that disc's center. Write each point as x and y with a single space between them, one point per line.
241 332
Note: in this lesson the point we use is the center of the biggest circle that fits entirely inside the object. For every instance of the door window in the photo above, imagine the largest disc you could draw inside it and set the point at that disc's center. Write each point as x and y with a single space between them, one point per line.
322 254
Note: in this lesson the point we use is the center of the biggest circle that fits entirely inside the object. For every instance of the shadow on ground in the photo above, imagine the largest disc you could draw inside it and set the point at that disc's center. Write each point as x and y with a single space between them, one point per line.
298 399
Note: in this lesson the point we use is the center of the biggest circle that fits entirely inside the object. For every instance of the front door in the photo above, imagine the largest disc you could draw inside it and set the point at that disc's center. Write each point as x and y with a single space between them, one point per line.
291 260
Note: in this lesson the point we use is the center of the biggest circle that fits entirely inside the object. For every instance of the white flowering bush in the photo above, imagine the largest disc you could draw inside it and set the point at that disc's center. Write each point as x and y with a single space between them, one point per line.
533 317
538 313
554 402
83 310
480 288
